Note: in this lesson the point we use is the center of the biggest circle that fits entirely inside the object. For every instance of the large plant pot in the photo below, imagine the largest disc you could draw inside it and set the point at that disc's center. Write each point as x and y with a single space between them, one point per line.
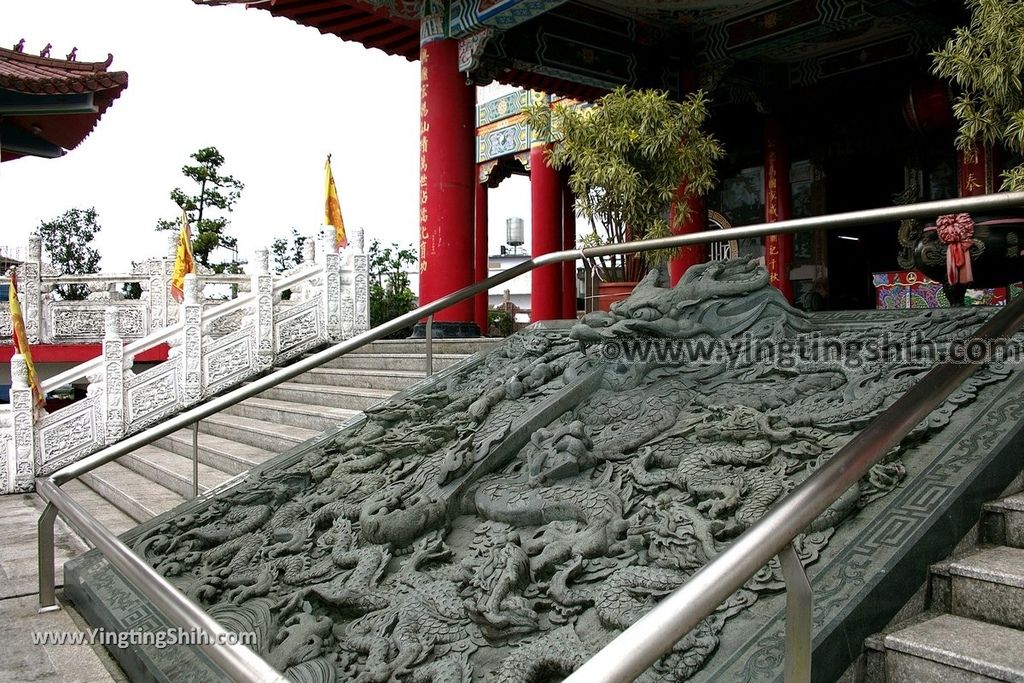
610 292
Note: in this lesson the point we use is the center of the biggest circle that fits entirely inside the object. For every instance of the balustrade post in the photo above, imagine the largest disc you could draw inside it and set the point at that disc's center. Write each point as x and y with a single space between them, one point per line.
360 282
192 341
21 467
263 289
113 377
330 282
30 290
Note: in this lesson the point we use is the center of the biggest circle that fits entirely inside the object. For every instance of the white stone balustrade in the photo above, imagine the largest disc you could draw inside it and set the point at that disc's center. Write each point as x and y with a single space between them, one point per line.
213 347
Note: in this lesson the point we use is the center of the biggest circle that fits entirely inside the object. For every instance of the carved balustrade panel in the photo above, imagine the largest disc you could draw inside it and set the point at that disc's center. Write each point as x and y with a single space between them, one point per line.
82 321
7 454
153 394
228 361
6 329
226 324
69 434
208 355
299 329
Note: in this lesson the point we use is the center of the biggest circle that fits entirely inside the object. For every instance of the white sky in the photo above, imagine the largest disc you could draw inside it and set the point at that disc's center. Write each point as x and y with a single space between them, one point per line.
272 96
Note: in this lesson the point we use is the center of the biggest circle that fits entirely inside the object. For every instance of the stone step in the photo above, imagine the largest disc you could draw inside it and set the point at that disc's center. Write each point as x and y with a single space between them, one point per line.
388 381
315 417
172 471
411 362
989 585
1003 521
419 346
953 648
275 438
96 505
130 492
325 395
230 457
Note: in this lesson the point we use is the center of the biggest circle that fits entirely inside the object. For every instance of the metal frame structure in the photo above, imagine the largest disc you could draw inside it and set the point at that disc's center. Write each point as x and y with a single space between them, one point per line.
653 635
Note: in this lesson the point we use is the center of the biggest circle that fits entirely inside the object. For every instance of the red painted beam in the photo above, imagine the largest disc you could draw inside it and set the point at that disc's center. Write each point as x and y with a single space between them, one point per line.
79 353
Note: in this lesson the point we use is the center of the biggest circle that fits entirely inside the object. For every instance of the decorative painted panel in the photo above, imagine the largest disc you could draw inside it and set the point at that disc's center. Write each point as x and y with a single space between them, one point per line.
502 107
504 140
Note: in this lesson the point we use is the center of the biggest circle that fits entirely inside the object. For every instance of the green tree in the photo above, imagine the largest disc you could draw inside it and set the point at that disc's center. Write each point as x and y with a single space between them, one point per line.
288 254
985 60
627 156
390 291
67 241
213 197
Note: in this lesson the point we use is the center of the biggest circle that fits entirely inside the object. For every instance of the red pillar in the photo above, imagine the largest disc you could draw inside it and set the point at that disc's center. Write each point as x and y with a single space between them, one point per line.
568 242
778 206
978 174
447 179
696 221
480 258
546 236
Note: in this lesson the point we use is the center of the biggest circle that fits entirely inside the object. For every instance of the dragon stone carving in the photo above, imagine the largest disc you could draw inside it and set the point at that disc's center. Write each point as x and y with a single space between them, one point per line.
505 523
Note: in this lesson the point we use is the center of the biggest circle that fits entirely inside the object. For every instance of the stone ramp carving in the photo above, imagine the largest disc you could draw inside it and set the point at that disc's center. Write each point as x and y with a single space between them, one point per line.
509 516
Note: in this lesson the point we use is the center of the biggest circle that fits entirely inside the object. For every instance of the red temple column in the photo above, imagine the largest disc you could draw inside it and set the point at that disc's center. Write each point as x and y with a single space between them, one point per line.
778 206
546 235
568 242
480 257
978 173
447 179
696 221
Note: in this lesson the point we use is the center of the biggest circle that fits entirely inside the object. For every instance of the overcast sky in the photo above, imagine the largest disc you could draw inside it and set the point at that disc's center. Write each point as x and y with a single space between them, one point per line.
272 96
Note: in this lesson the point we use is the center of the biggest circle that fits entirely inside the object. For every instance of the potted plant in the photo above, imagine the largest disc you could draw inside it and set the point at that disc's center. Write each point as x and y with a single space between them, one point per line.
627 156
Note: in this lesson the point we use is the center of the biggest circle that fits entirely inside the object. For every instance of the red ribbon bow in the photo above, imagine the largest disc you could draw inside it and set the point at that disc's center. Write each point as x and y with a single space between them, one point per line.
956 232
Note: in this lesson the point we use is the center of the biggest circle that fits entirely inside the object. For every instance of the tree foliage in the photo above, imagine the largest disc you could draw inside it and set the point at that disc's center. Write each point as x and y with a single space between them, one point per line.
288 254
67 241
390 292
627 156
212 197
985 60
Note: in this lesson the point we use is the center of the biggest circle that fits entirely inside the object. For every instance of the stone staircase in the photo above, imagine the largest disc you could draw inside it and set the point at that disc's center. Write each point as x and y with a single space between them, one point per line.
972 627
158 477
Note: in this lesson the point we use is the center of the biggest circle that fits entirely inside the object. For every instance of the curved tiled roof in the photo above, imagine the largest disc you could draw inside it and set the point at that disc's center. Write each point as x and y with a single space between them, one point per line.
44 76
34 75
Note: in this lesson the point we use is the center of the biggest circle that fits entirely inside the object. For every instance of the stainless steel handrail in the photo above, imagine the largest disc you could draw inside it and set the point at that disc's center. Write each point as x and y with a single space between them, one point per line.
237 660
654 643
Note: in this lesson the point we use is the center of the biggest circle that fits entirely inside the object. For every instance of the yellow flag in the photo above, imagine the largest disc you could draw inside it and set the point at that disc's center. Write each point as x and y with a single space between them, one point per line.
183 261
21 341
332 209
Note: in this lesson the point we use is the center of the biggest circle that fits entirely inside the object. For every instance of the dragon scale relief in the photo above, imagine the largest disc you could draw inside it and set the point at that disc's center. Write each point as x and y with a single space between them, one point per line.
504 524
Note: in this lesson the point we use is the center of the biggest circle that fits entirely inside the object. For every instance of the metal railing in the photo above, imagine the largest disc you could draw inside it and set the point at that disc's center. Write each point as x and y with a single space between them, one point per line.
653 635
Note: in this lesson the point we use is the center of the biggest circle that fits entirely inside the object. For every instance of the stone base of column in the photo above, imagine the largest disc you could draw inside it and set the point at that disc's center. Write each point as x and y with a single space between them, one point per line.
446 330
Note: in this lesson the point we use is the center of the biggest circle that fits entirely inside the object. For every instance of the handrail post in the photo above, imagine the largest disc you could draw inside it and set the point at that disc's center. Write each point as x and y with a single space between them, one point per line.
113 377
47 571
195 459
429 334
799 603
262 289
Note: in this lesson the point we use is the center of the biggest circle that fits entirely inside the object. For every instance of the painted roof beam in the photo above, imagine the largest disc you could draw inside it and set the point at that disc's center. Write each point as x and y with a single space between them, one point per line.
16 103
20 141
